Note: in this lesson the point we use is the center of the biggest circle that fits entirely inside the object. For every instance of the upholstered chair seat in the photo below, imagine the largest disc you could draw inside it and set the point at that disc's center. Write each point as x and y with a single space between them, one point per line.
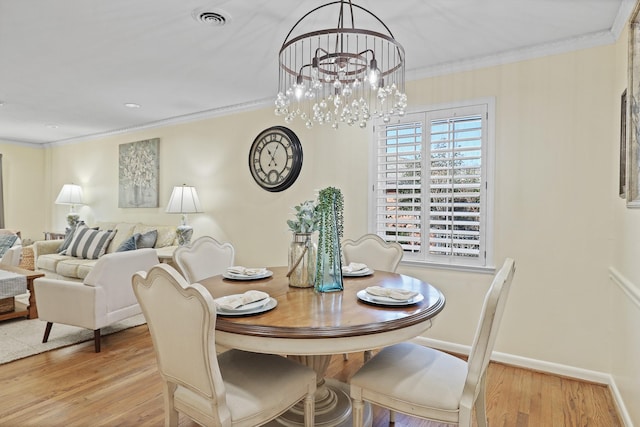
428 383
236 388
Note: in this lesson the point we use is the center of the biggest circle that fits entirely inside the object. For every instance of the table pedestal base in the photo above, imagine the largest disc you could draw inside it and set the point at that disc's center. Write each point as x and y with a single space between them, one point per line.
333 409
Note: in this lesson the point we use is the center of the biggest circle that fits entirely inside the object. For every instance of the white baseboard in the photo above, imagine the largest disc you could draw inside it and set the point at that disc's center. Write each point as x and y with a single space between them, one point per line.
542 366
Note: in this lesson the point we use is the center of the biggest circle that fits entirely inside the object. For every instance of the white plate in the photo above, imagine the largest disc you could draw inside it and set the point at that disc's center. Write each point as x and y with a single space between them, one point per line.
266 305
374 299
359 273
235 276
242 308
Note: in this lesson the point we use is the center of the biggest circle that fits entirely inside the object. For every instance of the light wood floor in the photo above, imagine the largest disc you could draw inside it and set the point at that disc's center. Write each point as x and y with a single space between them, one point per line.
121 387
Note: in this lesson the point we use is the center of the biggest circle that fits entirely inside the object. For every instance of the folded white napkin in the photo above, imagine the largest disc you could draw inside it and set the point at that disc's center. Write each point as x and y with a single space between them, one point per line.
399 294
232 302
354 267
237 269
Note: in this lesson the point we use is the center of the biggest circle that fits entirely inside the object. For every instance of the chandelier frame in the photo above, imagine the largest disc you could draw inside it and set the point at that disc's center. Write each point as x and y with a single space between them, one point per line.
324 73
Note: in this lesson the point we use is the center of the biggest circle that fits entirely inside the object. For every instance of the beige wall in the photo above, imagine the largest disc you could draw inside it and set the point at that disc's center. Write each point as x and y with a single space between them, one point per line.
23 174
625 283
556 206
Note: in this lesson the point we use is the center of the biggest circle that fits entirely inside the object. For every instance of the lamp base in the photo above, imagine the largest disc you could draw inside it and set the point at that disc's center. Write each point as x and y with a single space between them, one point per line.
72 219
184 233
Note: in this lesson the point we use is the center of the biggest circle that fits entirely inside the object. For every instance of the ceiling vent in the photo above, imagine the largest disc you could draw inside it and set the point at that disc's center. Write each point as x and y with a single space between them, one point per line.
215 18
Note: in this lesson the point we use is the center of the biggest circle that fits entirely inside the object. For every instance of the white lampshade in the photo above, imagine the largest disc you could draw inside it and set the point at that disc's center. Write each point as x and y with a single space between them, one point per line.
184 199
71 194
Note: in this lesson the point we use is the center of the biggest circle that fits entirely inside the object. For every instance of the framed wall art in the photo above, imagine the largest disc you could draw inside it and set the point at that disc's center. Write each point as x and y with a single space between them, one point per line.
633 115
138 174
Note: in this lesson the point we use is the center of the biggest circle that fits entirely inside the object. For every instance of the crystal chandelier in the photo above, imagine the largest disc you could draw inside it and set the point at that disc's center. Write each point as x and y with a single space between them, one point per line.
343 74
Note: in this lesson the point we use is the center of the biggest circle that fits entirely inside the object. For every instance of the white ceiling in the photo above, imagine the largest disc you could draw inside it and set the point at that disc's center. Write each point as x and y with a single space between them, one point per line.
67 67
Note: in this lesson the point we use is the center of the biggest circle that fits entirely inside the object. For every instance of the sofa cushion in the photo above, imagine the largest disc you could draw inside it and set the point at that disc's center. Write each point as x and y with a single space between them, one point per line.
128 245
147 240
85 268
124 230
6 241
68 236
72 267
50 261
166 234
89 244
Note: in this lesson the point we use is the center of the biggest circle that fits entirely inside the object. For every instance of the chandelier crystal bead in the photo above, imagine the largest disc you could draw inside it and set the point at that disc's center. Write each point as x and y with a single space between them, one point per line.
342 74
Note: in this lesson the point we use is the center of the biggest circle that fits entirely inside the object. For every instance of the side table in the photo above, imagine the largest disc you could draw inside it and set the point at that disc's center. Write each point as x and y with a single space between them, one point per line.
53 235
30 311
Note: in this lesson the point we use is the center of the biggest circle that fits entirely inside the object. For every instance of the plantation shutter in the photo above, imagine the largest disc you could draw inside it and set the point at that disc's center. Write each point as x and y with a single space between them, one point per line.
398 187
430 186
455 183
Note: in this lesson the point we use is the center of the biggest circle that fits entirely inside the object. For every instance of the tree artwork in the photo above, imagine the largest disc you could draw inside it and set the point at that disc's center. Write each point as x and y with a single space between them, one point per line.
138 174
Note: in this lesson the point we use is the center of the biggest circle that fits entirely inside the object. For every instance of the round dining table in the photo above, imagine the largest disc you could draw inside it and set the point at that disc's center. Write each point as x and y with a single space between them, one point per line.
311 326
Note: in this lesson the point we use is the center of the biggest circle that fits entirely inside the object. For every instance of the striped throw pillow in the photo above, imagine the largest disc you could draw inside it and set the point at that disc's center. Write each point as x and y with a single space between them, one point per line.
89 244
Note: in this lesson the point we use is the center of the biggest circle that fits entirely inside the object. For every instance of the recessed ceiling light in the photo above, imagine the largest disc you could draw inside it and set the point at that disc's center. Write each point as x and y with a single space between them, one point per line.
132 105
51 126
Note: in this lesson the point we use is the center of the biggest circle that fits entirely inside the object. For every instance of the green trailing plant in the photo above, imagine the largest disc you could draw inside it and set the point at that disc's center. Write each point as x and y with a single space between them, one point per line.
330 209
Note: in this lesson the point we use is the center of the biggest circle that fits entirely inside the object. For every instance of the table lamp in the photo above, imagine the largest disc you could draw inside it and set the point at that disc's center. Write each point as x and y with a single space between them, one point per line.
71 194
184 200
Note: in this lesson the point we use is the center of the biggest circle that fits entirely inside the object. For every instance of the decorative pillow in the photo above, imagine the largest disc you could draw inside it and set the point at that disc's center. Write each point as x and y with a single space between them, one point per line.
129 244
6 241
88 243
68 236
166 236
147 240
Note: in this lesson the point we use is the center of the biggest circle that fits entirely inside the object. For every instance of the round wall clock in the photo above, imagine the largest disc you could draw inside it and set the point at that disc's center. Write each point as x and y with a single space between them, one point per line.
275 158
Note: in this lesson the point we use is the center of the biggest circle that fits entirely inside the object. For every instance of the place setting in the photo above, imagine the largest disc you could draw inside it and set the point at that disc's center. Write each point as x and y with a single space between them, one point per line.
356 269
249 302
238 272
379 295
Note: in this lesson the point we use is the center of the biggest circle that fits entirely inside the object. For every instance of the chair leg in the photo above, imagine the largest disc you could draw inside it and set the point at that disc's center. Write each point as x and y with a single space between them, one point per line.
47 331
392 417
481 404
358 412
170 413
367 354
96 340
309 410
345 356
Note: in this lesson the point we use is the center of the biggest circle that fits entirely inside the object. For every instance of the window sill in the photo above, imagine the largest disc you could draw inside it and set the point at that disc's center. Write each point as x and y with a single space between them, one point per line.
454 267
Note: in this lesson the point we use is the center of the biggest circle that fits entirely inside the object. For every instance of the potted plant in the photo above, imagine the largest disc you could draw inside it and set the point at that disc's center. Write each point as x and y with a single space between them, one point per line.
330 211
302 251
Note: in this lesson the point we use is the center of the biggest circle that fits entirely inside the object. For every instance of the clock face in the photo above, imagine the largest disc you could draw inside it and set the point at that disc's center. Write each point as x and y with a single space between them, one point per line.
275 158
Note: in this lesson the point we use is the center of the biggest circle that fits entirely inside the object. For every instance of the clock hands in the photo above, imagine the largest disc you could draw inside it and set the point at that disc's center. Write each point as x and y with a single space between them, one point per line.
273 156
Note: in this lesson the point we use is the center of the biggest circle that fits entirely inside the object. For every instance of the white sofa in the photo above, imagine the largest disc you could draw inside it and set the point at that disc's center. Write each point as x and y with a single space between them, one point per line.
65 267
104 297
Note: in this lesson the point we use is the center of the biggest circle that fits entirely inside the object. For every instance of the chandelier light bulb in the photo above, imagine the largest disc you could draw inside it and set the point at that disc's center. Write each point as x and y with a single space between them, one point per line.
354 70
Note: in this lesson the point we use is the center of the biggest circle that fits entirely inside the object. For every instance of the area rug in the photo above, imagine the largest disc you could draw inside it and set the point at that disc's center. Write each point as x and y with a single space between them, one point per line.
21 337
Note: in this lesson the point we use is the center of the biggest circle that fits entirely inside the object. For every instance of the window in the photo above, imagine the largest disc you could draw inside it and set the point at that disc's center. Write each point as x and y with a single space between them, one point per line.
431 187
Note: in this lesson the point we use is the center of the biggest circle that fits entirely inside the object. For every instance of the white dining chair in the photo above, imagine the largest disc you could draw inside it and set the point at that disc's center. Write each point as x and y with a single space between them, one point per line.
236 388
377 254
374 251
204 257
428 383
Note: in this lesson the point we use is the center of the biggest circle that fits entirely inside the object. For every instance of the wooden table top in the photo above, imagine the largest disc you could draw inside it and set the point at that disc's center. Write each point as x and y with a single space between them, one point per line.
30 274
302 313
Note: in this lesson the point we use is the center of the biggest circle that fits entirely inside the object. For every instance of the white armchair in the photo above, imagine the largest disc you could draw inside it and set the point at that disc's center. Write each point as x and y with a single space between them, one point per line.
12 255
103 298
